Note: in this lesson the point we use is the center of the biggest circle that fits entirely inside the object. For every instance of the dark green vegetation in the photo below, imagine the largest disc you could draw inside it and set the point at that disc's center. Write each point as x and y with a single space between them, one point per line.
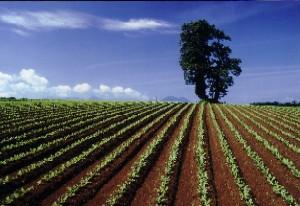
275 103
206 61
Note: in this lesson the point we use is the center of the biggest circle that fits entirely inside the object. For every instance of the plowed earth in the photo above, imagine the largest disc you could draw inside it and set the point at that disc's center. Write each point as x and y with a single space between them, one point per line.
222 189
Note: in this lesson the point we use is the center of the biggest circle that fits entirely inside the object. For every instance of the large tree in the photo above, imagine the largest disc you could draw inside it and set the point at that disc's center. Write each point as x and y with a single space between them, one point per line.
206 61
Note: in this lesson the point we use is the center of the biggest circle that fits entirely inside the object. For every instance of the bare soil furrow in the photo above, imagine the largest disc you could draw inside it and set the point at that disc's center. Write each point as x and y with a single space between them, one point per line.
147 153
227 190
283 149
261 189
282 173
106 191
187 185
114 168
273 127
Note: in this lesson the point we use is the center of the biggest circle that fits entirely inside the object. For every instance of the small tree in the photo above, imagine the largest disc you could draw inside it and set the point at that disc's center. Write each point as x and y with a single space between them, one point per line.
206 61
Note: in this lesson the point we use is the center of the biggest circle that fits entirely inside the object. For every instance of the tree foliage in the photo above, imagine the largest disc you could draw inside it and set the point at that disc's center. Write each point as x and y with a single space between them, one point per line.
206 61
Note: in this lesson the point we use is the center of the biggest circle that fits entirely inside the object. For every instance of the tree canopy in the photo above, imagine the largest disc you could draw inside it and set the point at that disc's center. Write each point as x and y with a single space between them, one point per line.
206 61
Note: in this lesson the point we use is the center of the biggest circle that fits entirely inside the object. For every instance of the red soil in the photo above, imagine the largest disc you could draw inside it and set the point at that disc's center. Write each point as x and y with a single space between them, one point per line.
104 193
285 121
281 172
260 188
285 113
107 172
187 185
284 150
212 192
43 191
272 127
147 192
222 188
226 188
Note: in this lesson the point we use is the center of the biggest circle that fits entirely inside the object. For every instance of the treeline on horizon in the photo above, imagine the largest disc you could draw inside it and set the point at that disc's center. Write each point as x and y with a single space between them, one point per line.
275 103
13 99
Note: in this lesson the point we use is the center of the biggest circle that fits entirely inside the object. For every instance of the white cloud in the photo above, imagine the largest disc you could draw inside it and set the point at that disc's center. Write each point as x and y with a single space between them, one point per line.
104 88
132 92
5 78
134 24
45 19
27 83
62 90
119 92
117 89
32 78
20 87
24 22
82 88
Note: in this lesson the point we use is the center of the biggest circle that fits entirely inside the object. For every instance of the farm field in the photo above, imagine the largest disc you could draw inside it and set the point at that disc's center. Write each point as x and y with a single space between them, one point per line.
148 153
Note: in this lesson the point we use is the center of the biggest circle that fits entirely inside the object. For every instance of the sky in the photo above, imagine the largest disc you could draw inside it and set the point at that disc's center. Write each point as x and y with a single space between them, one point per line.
130 50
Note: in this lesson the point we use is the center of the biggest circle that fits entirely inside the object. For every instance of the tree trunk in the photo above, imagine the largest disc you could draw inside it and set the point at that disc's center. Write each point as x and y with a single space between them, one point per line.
216 97
200 86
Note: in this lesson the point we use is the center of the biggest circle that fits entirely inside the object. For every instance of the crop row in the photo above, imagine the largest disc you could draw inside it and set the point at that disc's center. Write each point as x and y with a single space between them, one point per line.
269 124
10 112
259 162
115 153
269 132
274 150
49 119
144 162
39 114
292 125
27 170
62 128
293 112
99 142
45 116
164 196
201 159
64 139
40 131
244 189
36 113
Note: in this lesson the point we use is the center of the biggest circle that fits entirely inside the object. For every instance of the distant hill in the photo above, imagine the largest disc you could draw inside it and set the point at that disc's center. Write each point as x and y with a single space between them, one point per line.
175 99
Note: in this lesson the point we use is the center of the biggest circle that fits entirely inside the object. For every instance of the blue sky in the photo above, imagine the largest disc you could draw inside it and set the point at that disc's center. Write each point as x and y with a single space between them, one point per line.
130 50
